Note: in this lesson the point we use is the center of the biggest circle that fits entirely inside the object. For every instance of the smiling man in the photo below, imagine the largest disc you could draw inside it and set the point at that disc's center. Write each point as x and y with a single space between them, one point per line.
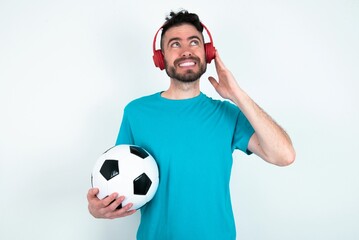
192 137
184 54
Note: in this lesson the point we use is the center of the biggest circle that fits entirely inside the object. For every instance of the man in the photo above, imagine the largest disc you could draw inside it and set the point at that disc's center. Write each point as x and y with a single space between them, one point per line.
192 137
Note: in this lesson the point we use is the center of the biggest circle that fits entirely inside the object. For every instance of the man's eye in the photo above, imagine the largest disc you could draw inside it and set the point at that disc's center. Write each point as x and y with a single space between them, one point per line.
175 44
195 43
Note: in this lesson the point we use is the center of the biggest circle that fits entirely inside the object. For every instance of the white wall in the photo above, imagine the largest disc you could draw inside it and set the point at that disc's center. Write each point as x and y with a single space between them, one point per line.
67 69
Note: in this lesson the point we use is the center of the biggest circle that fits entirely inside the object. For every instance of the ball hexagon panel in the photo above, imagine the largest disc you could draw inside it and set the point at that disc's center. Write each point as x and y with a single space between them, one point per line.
109 169
140 152
141 184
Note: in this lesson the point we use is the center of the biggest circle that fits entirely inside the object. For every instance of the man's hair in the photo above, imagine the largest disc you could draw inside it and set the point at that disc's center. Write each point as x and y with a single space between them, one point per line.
179 18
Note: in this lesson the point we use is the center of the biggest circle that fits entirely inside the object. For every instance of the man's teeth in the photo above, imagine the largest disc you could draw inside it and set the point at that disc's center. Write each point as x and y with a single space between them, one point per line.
186 64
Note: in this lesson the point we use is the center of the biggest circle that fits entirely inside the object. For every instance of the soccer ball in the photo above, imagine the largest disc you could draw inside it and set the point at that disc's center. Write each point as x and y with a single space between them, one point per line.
128 170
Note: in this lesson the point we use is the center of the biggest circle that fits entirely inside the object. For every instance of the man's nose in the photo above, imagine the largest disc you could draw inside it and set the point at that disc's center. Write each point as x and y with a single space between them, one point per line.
186 53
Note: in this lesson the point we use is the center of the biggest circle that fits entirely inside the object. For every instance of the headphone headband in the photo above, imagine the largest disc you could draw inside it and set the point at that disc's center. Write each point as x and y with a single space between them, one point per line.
154 40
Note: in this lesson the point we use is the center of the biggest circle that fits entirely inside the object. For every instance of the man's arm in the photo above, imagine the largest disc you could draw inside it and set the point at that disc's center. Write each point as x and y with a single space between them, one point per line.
270 141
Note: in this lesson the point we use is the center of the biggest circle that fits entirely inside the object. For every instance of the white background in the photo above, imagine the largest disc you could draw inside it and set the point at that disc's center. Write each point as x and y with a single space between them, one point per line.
68 68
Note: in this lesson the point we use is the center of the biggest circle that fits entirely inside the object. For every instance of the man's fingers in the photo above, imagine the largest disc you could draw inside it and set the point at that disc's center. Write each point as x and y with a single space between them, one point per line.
218 59
219 63
92 193
128 213
213 81
125 211
109 199
116 203
109 206
112 213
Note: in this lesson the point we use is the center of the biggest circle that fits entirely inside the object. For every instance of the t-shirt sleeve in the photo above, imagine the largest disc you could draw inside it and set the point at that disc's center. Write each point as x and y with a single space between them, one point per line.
125 135
242 134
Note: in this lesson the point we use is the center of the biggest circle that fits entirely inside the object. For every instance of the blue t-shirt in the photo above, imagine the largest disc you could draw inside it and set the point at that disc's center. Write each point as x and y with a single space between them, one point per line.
192 141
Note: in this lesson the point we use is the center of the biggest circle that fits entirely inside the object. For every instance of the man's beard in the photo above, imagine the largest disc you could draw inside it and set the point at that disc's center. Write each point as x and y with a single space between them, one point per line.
190 75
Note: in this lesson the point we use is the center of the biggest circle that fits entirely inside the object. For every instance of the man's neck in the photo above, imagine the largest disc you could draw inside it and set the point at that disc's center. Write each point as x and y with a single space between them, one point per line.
180 90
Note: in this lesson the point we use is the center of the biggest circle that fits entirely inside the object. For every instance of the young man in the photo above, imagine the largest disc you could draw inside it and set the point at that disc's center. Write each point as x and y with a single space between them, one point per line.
192 137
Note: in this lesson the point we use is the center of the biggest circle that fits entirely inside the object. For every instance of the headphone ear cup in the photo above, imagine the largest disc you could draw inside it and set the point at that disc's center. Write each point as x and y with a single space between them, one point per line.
210 52
158 59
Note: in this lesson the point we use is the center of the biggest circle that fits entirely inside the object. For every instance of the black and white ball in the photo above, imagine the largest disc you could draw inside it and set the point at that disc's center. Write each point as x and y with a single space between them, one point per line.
129 171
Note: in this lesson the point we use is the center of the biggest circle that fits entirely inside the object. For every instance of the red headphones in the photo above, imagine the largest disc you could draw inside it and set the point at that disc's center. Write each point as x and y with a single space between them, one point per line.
158 57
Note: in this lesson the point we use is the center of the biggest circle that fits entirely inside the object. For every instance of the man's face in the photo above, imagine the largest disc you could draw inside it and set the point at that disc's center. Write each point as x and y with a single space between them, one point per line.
184 53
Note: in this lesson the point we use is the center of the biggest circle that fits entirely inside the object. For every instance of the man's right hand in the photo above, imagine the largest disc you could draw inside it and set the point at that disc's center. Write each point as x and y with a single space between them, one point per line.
107 207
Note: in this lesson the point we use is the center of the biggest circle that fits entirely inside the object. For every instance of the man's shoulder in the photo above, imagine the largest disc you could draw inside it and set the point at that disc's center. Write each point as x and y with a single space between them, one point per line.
222 103
144 100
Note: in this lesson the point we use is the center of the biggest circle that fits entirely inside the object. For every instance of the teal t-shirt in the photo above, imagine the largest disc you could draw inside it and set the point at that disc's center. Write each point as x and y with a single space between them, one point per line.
192 141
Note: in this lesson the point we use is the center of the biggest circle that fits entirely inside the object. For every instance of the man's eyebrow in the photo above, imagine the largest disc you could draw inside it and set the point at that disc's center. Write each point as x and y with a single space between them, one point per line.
173 39
192 37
